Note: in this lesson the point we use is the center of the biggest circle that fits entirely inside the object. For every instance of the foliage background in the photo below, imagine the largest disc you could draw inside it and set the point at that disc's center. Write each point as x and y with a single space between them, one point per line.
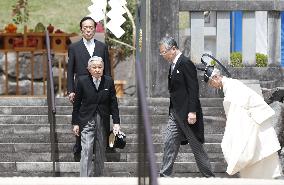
49 11
65 15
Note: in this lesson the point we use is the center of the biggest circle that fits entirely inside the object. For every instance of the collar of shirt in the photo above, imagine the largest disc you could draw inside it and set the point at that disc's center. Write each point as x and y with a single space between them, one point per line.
94 79
90 45
176 59
88 41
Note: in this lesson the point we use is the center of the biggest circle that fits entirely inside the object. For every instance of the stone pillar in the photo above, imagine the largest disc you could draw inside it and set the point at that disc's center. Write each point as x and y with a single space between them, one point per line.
223 37
249 38
197 36
146 44
164 16
274 38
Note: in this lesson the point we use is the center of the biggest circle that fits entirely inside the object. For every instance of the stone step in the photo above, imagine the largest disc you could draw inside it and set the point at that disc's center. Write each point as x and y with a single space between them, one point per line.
111 157
41 101
68 137
129 169
210 128
180 178
123 110
205 102
25 147
66 119
67 148
269 84
36 125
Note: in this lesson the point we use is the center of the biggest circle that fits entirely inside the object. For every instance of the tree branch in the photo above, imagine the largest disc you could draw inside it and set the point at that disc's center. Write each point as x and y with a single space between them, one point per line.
122 43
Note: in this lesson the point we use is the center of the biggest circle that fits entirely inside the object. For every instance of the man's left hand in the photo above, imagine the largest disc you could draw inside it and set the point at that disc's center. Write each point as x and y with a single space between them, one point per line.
191 118
116 128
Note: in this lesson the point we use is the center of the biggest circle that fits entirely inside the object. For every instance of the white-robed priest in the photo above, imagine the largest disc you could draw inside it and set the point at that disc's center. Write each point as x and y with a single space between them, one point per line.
250 143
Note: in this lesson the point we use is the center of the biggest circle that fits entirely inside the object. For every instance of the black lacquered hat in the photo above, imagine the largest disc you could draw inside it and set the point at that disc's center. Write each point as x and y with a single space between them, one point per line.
117 141
210 70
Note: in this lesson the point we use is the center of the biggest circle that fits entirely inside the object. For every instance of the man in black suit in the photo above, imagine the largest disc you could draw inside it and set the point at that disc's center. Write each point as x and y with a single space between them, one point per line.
78 55
185 122
95 101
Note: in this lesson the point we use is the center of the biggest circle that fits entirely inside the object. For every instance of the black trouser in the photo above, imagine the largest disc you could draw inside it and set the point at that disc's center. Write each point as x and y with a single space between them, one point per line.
172 145
77 147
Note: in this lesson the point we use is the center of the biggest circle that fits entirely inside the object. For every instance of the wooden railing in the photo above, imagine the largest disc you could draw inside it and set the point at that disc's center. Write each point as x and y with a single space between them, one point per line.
29 77
18 72
12 84
15 85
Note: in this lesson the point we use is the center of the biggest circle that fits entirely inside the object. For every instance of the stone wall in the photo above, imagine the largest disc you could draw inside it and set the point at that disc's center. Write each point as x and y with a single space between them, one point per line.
25 74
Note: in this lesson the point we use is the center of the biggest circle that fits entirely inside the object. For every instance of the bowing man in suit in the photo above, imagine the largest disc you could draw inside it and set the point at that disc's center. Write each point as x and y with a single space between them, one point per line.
95 100
78 55
185 121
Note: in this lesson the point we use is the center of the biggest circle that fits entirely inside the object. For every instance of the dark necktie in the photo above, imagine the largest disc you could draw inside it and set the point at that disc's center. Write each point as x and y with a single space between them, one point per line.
172 68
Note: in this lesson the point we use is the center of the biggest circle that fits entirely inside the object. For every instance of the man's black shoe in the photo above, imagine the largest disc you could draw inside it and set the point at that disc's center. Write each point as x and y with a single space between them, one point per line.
77 152
77 157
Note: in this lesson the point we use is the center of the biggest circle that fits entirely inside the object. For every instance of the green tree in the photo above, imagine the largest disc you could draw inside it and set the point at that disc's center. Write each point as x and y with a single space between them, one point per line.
20 12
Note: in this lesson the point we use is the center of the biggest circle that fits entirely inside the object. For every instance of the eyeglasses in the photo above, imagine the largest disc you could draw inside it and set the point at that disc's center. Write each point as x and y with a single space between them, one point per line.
165 52
88 27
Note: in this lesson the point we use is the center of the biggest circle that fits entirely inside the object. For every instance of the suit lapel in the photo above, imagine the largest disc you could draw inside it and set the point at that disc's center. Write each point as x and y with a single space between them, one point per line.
100 89
95 41
177 64
175 69
84 49
169 79
85 56
92 83
101 86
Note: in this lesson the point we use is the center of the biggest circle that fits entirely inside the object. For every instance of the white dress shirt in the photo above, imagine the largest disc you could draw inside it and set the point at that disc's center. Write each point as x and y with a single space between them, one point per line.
90 45
175 61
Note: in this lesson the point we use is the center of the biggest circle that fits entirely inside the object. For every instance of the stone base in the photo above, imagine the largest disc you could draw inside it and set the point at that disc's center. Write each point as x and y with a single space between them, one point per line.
130 180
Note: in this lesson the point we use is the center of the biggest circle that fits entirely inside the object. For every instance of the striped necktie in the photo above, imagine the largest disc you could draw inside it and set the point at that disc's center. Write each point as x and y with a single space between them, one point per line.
97 83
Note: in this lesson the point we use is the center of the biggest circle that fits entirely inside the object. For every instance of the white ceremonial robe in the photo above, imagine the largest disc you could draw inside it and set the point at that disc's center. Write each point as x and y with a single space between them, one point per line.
249 136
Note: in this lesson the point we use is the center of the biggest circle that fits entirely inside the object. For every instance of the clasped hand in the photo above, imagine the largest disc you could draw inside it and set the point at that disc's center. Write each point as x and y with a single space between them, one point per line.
116 129
191 118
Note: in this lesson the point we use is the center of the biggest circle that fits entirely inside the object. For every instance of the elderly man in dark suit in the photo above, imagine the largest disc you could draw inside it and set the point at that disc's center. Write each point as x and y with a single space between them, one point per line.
78 55
185 114
95 100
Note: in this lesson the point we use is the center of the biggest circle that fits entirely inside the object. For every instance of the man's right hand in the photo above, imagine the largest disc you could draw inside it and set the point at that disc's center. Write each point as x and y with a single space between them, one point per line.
76 130
71 97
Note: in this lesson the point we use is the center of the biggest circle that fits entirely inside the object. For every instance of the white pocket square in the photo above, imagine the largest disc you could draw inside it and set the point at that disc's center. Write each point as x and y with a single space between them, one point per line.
177 71
106 89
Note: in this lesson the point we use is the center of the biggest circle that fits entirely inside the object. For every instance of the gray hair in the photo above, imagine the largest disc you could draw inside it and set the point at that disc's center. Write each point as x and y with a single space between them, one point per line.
94 59
168 42
215 72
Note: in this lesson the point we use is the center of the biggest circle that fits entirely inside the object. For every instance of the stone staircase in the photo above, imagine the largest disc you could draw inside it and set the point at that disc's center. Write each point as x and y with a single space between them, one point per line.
25 144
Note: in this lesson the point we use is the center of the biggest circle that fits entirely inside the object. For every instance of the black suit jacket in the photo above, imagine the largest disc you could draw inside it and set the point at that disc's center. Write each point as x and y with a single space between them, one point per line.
78 57
184 95
89 100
